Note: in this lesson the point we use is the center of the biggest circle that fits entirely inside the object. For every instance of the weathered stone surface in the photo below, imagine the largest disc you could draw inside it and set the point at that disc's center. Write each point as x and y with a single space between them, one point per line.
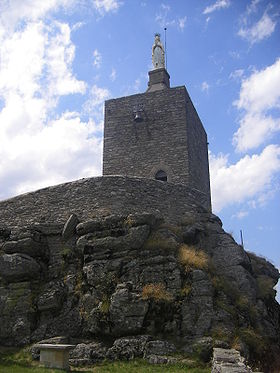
69 228
16 310
197 311
87 354
5 232
100 224
262 267
175 126
18 267
48 228
26 246
103 248
159 347
228 361
161 269
127 278
128 348
52 297
191 234
228 253
89 226
165 238
98 271
143 219
127 311
203 348
47 208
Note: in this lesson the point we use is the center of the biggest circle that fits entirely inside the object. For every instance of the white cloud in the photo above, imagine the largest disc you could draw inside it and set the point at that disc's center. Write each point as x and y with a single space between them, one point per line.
94 104
236 74
13 11
162 17
105 6
164 20
234 54
182 23
205 87
77 26
251 177
59 151
21 60
219 4
259 94
97 59
240 214
113 75
252 7
259 31
37 149
59 57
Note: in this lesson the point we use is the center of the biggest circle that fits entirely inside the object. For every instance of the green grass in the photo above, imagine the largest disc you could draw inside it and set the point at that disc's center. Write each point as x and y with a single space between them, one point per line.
22 369
19 361
116 367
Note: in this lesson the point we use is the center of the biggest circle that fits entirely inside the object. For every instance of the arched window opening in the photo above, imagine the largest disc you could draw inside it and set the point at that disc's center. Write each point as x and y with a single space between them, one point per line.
161 175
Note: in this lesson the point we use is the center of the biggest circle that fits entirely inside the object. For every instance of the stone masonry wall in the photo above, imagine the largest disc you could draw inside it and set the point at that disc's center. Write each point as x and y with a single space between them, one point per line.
197 151
105 195
171 137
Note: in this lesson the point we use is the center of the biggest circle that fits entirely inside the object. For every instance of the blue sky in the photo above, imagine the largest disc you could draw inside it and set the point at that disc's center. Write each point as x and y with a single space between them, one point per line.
60 59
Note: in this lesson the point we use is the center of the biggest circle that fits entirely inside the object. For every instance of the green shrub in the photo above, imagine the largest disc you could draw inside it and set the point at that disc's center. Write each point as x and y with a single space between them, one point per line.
66 253
104 305
265 287
220 284
221 333
253 340
226 307
156 241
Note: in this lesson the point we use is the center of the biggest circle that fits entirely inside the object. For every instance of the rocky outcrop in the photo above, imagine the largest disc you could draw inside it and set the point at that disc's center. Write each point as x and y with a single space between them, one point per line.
18 267
227 361
148 287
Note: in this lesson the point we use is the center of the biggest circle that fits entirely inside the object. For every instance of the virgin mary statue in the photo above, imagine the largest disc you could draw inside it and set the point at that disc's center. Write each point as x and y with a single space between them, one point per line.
158 53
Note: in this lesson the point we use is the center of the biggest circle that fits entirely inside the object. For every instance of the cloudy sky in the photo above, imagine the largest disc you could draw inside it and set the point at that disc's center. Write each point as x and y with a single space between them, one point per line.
60 59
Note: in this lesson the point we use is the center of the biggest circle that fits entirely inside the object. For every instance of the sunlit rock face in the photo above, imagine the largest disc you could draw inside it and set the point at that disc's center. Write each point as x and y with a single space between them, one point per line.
148 284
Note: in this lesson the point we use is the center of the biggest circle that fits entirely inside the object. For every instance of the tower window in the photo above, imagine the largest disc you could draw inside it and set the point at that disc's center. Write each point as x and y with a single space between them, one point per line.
161 175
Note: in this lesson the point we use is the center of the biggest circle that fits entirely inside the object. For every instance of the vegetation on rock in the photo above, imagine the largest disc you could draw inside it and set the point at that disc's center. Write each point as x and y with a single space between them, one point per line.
124 287
192 258
156 292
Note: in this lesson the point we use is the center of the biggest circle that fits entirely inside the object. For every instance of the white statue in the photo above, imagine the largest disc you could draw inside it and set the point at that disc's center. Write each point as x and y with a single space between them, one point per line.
158 53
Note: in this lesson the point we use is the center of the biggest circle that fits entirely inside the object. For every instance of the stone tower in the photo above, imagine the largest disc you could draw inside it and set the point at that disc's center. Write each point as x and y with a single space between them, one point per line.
157 134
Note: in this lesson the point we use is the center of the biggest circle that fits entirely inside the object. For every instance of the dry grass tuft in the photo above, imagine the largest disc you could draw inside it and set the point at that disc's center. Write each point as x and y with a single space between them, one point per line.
186 290
190 258
236 343
104 305
156 292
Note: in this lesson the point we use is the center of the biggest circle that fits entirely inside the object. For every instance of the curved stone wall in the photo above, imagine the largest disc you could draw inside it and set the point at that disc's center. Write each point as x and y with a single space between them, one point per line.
105 195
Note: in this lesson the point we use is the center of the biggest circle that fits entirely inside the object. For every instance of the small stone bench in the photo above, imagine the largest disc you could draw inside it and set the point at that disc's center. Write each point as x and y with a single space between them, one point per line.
55 355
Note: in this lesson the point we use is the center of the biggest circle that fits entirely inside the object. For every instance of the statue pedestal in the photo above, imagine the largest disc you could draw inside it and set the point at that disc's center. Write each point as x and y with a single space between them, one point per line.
158 79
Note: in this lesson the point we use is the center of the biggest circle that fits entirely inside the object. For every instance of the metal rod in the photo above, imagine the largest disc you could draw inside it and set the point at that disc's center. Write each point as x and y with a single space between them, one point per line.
241 236
165 47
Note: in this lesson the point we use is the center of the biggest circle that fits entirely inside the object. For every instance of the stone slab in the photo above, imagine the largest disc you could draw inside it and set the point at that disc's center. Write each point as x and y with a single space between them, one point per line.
55 356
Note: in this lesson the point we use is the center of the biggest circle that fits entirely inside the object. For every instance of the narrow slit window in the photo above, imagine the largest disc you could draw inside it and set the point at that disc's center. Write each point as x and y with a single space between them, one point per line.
161 175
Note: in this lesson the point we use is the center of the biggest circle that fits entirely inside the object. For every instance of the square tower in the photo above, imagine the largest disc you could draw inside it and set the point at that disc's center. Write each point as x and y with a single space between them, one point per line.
157 135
